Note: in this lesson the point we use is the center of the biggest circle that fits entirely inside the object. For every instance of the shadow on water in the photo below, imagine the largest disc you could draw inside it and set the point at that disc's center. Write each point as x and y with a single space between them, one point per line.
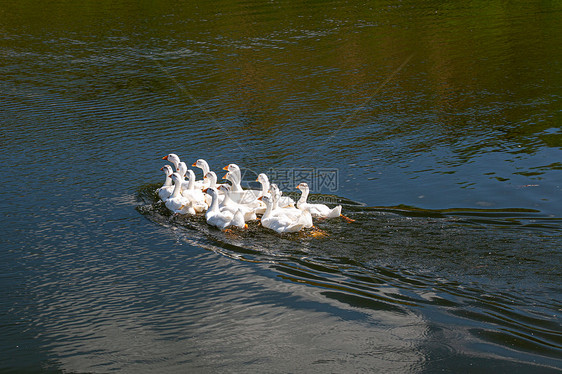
401 258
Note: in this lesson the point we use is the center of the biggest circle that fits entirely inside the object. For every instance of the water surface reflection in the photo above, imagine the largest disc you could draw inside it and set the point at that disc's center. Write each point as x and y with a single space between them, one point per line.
453 261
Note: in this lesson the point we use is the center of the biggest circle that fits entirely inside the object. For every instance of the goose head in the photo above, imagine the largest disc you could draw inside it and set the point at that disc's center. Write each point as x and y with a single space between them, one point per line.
173 158
262 178
229 177
167 169
266 199
201 164
233 169
224 188
211 191
212 177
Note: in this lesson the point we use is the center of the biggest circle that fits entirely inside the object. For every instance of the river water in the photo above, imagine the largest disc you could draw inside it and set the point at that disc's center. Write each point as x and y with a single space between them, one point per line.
437 126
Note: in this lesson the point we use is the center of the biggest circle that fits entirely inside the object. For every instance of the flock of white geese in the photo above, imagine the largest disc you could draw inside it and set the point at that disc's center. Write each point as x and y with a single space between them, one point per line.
229 205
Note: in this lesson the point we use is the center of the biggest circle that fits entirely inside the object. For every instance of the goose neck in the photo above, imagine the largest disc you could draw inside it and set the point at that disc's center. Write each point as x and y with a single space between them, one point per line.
205 168
264 187
177 189
214 203
304 196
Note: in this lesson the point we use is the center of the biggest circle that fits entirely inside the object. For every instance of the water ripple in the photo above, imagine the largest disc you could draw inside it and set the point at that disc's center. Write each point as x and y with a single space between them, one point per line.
370 280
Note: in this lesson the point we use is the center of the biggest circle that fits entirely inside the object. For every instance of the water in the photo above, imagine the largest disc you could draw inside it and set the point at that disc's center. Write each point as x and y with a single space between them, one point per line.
441 120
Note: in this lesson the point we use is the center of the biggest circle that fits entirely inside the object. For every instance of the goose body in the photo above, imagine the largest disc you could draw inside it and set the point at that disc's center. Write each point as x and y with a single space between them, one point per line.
316 210
176 202
222 218
280 223
288 211
167 188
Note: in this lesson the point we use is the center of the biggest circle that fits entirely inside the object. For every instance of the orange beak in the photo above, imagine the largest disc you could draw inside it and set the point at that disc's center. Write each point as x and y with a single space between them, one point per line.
162 168
205 190
226 175
165 157
194 164
225 168
260 198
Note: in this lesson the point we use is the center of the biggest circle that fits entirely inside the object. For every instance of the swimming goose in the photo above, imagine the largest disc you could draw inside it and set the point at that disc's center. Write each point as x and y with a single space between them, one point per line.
167 188
222 219
235 176
288 211
184 171
176 202
316 210
280 223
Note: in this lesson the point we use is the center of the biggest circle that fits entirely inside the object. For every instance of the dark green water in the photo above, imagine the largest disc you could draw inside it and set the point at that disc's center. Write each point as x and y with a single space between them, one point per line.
440 121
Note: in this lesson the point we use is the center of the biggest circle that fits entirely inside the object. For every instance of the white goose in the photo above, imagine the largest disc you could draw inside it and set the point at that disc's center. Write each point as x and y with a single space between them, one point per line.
173 158
195 195
288 211
280 223
284 201
222 219
167 188
249 210
176 202
316 210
